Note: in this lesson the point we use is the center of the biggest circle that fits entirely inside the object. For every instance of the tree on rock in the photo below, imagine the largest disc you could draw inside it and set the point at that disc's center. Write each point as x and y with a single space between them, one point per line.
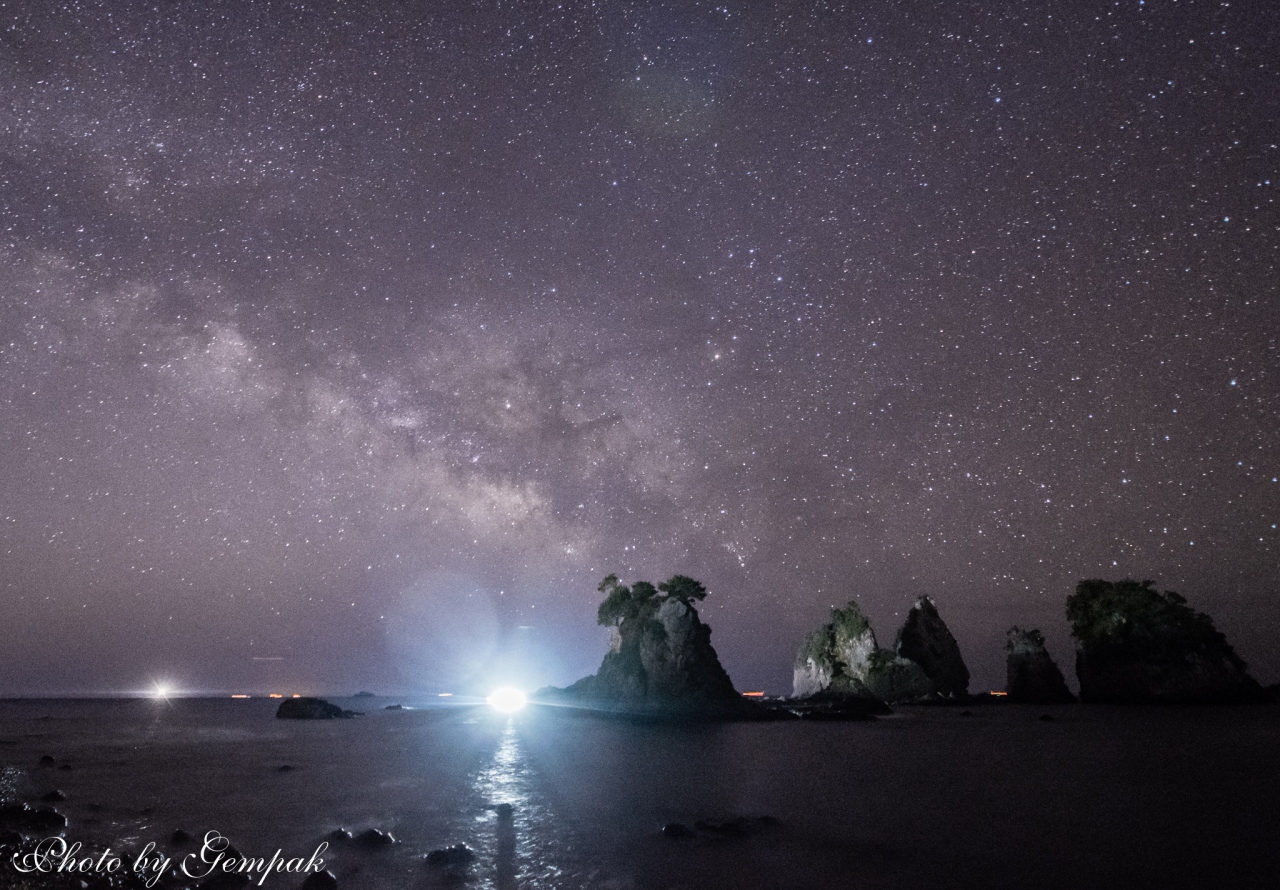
622 603
660 658
683 589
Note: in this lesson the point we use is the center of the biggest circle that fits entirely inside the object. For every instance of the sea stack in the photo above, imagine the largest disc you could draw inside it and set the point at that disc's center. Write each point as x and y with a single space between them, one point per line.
843 658
926 640
1137 645
660 659
836 657
1032 677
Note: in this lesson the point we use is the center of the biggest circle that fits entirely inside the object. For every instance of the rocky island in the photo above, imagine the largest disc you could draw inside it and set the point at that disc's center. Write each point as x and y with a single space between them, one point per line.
660 660
311 709
1135 645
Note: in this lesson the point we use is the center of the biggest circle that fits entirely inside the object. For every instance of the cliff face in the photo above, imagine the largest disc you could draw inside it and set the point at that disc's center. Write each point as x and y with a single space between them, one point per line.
1031 674
842 657
836 657
1135 644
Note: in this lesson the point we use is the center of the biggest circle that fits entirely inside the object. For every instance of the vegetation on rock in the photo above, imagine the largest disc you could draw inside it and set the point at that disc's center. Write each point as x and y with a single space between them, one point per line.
1135 643
642 599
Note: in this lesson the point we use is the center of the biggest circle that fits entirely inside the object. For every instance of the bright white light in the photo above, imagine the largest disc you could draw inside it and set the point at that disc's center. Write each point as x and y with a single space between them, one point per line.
162 690
507 699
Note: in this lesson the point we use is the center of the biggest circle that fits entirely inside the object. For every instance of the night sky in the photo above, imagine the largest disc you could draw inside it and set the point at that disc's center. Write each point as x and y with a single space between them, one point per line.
349 345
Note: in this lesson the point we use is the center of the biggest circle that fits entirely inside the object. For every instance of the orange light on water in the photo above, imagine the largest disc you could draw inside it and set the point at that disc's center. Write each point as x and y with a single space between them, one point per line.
239 695
753 694
1001 694
275 695
297 695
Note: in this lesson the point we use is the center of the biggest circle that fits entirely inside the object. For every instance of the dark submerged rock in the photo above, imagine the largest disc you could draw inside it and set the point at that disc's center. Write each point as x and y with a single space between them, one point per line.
321 880
338 836
676 830
53 797
1136 645
26 818
374 837
310 709
364 693
1031 675
458 854
180 838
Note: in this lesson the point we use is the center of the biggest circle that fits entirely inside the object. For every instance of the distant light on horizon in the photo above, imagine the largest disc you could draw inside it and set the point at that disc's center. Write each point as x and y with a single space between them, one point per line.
508 699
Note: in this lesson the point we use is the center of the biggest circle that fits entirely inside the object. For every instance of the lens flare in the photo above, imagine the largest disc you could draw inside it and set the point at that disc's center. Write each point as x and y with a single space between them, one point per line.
507 699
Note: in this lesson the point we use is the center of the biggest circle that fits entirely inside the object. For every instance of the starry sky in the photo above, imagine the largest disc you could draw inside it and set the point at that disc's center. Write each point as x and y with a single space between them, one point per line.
348 345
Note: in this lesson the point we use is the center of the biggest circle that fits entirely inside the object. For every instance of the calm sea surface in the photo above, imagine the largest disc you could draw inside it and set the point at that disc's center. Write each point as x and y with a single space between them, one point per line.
930 797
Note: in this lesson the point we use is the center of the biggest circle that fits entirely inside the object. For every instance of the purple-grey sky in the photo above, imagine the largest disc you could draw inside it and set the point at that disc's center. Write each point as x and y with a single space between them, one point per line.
349 345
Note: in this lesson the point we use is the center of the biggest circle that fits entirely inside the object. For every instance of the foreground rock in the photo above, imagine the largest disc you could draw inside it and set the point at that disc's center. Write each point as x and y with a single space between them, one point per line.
24 818
660 660
842 658
1032 677
458 854
310 709
1137 645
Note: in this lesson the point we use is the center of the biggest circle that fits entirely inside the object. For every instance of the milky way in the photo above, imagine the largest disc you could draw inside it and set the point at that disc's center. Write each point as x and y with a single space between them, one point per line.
350 345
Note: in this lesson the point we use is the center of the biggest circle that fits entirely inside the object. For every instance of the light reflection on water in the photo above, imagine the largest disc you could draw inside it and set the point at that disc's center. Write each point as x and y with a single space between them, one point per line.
519 839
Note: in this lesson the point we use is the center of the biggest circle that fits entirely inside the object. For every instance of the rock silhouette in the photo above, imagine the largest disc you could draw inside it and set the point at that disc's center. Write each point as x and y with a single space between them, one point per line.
926 640
1031 674
310 709
1137 645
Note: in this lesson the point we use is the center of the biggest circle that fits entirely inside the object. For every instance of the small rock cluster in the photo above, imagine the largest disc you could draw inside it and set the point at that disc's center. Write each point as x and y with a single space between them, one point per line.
843 658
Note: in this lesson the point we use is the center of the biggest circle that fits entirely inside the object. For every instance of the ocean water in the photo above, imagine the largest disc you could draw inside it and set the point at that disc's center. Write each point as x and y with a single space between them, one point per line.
929 797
